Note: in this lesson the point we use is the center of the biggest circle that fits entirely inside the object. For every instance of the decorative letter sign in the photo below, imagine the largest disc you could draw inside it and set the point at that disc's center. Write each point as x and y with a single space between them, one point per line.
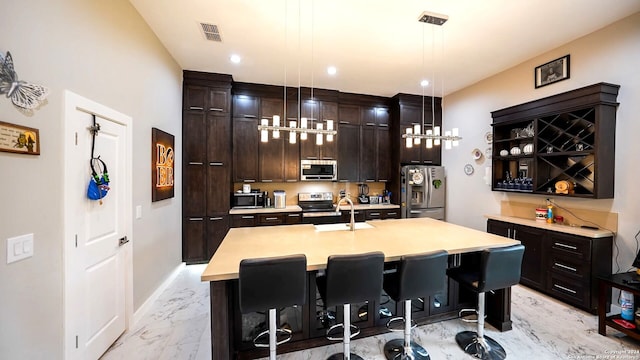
163 158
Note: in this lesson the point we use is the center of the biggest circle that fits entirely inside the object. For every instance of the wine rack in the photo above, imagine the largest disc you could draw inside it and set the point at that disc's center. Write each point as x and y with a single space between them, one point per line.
568 138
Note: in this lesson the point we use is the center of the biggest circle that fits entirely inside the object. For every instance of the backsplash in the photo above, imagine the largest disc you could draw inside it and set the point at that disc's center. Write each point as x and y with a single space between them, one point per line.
292 189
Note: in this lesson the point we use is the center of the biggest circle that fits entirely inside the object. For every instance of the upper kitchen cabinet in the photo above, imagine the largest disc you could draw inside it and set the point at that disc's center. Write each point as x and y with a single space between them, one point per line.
323 106
348 142
205 98
375 156
562 144
271 153
408 111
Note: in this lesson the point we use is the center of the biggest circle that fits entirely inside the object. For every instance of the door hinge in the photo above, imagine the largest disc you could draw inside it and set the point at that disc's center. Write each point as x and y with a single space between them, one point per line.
76 240
76 138
76 341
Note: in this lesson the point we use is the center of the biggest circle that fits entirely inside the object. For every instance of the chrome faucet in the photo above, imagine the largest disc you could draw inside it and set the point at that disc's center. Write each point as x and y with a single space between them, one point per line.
352 223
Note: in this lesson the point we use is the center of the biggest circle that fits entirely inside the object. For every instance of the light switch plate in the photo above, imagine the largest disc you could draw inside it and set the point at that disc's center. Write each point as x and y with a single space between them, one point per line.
139 212
19 247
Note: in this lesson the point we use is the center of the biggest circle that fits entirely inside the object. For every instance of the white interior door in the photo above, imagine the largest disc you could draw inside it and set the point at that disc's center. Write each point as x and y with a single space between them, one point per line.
97 265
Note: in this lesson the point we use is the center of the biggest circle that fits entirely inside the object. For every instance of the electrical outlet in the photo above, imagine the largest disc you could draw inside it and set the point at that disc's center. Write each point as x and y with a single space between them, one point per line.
19 247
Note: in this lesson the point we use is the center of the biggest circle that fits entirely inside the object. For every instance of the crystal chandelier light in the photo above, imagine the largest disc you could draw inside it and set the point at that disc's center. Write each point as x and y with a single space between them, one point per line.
414 135
292 127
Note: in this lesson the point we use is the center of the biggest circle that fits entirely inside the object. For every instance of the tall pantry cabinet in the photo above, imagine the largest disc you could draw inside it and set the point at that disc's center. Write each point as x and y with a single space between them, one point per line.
206 134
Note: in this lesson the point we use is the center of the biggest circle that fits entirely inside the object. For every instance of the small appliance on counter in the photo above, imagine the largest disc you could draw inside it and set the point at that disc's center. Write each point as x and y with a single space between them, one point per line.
279 199
251 200
363 193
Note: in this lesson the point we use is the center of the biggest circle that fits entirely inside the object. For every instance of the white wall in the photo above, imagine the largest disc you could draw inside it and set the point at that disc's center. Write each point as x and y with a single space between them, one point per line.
609 55
101 50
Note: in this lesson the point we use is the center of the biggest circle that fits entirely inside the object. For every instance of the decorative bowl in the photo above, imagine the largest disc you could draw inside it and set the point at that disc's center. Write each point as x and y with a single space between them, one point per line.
504 153
515 150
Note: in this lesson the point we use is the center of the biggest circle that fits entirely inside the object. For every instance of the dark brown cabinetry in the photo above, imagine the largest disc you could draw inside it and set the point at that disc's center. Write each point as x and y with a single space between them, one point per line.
562 142
271 154
562 265
206 131
246 141
314 111
265 219
408 111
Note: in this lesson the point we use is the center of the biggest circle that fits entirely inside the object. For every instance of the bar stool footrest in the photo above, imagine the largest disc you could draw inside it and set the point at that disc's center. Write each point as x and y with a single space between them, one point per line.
399 318
257 343
354 333
340 356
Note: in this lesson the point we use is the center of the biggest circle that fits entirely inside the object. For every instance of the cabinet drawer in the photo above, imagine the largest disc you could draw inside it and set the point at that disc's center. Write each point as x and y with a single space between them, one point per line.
576 247
570 267
243 220
358 216
392 214
567 289
270 219
293 218
375 214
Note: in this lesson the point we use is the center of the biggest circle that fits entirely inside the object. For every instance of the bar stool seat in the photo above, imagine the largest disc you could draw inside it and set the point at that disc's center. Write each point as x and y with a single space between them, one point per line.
499 268
350 279
270 284
419 275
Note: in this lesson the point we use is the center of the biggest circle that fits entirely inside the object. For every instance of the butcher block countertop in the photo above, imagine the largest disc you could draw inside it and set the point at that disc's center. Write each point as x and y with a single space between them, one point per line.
394 238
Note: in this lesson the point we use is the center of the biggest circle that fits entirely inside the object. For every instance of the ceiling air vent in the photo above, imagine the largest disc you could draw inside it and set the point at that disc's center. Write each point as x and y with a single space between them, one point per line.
211 32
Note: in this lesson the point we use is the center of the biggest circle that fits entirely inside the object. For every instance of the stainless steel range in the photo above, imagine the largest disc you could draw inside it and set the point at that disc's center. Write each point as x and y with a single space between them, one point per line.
317 208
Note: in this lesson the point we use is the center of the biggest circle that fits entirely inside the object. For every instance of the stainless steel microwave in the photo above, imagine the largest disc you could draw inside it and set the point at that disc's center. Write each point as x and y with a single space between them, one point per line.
318 170
252 200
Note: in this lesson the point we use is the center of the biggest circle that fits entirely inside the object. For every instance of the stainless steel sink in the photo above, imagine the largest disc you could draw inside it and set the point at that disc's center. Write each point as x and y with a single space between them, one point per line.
342 226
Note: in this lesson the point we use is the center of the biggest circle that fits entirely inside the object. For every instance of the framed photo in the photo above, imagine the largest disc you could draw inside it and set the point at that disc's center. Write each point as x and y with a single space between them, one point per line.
551 72
19 139
162 163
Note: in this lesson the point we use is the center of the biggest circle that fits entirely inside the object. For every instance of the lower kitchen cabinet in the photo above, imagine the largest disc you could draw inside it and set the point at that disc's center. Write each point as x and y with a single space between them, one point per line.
265 219
382 214
562 265
202 236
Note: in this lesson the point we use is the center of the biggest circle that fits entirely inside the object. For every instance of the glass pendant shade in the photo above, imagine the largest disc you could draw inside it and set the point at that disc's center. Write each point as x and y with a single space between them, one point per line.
303 125
292 135
264 134
416 130
454 132
408 141
329 127
447 143
429 141
276 124
436 132
319 136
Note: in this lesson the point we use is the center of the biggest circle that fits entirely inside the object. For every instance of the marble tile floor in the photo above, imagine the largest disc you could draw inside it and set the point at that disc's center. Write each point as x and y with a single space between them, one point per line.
177 327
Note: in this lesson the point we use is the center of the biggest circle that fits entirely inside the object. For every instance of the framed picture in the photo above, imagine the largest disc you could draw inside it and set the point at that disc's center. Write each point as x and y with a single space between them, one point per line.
551 72
19 139
162 163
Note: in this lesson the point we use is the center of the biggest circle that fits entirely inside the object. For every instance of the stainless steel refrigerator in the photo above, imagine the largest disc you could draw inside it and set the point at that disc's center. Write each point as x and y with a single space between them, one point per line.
422 192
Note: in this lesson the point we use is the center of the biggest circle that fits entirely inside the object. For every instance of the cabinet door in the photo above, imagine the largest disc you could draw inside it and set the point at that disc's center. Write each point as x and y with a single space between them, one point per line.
349 114
499 228
533 264
374 214
248 220
193 235
308 148
218 186
219 100
368 153
195 97
194 194
218 139
392 214
329 149
194 136
270 219
348 152
245 149
383 167
293 218
291 161
217 229
271 153
245 106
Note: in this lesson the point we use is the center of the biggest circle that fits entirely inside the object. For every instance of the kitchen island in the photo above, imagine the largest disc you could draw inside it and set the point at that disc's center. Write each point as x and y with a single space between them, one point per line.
394 238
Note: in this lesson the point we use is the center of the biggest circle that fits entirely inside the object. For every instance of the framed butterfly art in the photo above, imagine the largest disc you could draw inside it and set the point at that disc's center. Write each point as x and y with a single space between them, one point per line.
23 94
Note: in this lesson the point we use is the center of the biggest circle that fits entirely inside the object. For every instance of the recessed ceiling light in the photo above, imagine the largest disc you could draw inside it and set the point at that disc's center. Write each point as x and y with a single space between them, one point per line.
424 83
331 70
235 59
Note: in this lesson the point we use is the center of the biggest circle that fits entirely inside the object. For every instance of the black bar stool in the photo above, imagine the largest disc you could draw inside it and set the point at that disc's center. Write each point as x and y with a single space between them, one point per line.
419 275
499 269
271 283
350 279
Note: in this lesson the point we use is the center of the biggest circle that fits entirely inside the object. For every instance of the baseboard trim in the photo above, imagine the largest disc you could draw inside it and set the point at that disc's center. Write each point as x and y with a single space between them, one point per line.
144 308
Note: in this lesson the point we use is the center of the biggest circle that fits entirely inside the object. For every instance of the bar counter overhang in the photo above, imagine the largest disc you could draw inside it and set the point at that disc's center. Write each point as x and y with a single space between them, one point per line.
394 238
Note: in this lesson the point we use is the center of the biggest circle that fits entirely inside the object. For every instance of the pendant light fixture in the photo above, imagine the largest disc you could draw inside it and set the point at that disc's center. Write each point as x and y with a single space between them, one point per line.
305 127
414 135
